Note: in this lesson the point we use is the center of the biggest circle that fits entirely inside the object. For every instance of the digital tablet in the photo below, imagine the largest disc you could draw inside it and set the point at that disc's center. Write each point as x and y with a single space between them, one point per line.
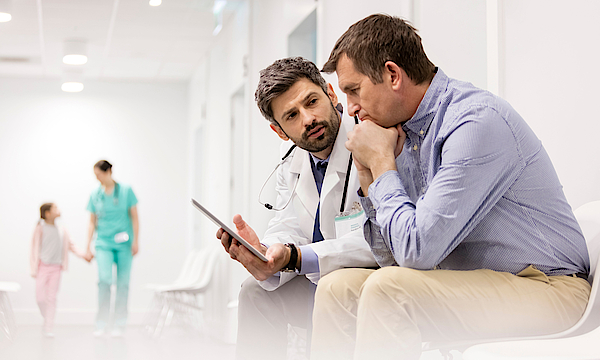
228 230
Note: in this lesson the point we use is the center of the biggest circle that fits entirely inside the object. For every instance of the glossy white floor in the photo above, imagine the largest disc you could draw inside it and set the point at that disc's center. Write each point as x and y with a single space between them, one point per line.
77 342
73 342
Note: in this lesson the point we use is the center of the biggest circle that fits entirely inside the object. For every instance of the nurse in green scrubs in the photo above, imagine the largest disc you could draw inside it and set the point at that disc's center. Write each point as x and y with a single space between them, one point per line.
114 220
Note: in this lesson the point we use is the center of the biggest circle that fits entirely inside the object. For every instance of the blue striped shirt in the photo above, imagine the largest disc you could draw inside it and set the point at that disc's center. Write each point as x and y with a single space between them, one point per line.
474 189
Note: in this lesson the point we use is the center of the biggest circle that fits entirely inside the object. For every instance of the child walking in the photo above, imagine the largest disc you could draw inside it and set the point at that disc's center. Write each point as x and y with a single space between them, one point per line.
49 256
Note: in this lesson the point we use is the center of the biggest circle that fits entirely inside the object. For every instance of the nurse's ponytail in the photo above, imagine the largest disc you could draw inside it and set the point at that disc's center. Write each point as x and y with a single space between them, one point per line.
103 165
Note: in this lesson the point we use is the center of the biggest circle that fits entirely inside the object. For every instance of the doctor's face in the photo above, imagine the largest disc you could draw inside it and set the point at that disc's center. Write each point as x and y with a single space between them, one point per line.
307 116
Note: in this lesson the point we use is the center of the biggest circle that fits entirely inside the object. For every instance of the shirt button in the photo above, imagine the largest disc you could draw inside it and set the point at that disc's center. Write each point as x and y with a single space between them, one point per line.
415 147
421 132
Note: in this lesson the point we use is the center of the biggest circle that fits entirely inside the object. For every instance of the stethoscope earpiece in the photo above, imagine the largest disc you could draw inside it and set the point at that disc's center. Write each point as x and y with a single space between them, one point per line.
283 159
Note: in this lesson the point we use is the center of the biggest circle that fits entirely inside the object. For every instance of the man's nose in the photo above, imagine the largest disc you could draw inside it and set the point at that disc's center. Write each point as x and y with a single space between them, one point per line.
307 117
353 107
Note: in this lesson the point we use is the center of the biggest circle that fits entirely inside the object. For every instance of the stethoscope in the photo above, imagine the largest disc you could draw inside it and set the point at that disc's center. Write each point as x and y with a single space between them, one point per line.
115 194
283 160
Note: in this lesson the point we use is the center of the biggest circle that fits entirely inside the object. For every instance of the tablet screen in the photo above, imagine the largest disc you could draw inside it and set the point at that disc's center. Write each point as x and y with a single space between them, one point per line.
232 233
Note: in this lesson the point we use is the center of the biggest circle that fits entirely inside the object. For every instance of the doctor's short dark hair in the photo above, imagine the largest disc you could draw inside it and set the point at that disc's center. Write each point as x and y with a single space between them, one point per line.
377 39
279 77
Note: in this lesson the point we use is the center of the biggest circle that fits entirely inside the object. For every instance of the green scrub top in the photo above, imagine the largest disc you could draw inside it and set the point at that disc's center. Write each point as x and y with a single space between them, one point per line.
112 214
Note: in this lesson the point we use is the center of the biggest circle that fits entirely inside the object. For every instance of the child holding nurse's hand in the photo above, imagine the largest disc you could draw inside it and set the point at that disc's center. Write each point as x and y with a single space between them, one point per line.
49 256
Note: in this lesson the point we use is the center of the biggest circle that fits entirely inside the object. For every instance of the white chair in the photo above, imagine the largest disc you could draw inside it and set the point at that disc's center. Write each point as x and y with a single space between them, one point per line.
159 309
189 300
586 329
184 277
183 296
8 323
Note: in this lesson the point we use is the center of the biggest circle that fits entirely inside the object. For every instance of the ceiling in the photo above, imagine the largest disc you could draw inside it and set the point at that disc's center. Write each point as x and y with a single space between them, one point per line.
126 39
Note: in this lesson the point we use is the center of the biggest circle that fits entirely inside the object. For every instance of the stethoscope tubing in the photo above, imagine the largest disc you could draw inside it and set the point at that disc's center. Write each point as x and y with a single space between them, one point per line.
283 159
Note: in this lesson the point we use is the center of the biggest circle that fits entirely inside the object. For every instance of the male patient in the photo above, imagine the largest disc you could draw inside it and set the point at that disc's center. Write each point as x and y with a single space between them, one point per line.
307 238
465 212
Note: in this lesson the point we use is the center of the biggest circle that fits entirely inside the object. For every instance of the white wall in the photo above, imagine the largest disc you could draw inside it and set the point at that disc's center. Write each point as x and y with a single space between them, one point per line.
49 142
537 54
550 77
171 141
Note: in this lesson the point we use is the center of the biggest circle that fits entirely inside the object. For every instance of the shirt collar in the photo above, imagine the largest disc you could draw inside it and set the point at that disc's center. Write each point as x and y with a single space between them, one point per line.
420 121
316 160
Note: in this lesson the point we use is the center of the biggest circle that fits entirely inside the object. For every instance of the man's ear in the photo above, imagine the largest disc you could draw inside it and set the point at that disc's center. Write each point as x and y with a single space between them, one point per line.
279 132
393 73
332 95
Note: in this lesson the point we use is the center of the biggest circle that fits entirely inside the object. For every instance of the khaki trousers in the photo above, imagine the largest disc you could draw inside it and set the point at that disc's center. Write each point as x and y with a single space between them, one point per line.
387 313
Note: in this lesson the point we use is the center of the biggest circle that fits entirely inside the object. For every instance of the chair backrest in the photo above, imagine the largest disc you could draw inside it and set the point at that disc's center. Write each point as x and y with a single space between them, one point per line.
197 267
187 266
588 216
9 286
204 276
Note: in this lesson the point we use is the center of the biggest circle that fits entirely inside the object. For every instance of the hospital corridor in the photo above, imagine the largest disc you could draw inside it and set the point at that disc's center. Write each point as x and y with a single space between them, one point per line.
299 179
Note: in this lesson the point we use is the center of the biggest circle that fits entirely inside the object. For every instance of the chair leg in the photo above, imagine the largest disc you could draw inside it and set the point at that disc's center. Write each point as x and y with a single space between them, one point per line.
160 323
7 317
446 354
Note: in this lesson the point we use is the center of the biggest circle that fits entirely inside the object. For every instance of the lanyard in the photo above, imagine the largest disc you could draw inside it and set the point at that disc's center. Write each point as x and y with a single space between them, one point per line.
347 175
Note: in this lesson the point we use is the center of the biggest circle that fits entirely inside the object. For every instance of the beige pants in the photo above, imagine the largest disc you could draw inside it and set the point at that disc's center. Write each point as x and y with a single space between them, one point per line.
387 313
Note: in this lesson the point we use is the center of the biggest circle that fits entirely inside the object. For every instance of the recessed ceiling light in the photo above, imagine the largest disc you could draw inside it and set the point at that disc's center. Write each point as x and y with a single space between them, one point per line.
75 52
155 2
72 87
75 59
5 10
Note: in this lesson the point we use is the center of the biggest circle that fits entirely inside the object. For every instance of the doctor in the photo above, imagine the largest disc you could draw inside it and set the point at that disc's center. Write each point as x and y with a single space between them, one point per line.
317 226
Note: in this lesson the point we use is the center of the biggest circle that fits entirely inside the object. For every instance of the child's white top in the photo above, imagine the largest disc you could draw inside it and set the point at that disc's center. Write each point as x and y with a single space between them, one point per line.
51 251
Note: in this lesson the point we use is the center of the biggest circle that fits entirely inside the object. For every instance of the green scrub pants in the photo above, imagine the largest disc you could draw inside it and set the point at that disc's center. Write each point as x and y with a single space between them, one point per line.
106 257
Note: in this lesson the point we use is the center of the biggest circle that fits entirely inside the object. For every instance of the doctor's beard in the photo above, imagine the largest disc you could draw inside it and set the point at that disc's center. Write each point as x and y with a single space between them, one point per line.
331 128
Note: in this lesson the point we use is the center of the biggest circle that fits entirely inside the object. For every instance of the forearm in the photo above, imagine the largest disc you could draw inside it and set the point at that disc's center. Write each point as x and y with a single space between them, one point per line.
380 166
366 179
91 230
136 230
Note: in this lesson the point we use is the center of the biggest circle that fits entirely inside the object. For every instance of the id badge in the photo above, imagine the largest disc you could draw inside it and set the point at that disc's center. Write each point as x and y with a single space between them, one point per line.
348 222
122 237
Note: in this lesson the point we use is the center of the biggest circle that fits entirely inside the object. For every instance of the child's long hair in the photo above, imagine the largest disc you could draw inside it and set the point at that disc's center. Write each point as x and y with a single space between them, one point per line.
44 208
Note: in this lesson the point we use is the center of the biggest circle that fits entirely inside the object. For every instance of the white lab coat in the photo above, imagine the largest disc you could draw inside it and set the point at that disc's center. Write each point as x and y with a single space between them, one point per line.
295 223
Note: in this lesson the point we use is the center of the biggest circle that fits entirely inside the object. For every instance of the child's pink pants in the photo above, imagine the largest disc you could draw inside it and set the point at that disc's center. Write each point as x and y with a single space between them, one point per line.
46 288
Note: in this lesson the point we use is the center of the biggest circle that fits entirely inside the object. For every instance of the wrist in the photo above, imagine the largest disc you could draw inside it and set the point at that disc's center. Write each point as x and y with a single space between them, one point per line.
382 166
291 257
299 261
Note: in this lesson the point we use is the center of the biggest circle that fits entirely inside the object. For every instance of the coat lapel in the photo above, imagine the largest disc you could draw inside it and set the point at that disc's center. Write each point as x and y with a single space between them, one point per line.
333 184
332 190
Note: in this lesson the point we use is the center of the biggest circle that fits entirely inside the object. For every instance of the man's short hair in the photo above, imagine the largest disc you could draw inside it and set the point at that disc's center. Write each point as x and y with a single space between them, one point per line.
379 38
279 77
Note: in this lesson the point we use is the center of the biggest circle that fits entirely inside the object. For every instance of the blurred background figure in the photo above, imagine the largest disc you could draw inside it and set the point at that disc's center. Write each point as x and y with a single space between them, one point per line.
114 220
49 256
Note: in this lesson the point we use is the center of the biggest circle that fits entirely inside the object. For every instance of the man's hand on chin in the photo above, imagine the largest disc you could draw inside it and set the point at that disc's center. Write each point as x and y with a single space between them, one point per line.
375 147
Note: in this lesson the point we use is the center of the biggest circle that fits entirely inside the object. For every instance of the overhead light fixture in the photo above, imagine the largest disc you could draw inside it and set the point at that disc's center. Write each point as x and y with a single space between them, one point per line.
72 87
5 10
155 2
72 81
75 52
218 7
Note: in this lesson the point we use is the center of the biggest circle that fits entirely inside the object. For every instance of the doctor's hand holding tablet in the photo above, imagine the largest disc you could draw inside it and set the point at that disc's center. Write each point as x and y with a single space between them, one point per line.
245 247
278 255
